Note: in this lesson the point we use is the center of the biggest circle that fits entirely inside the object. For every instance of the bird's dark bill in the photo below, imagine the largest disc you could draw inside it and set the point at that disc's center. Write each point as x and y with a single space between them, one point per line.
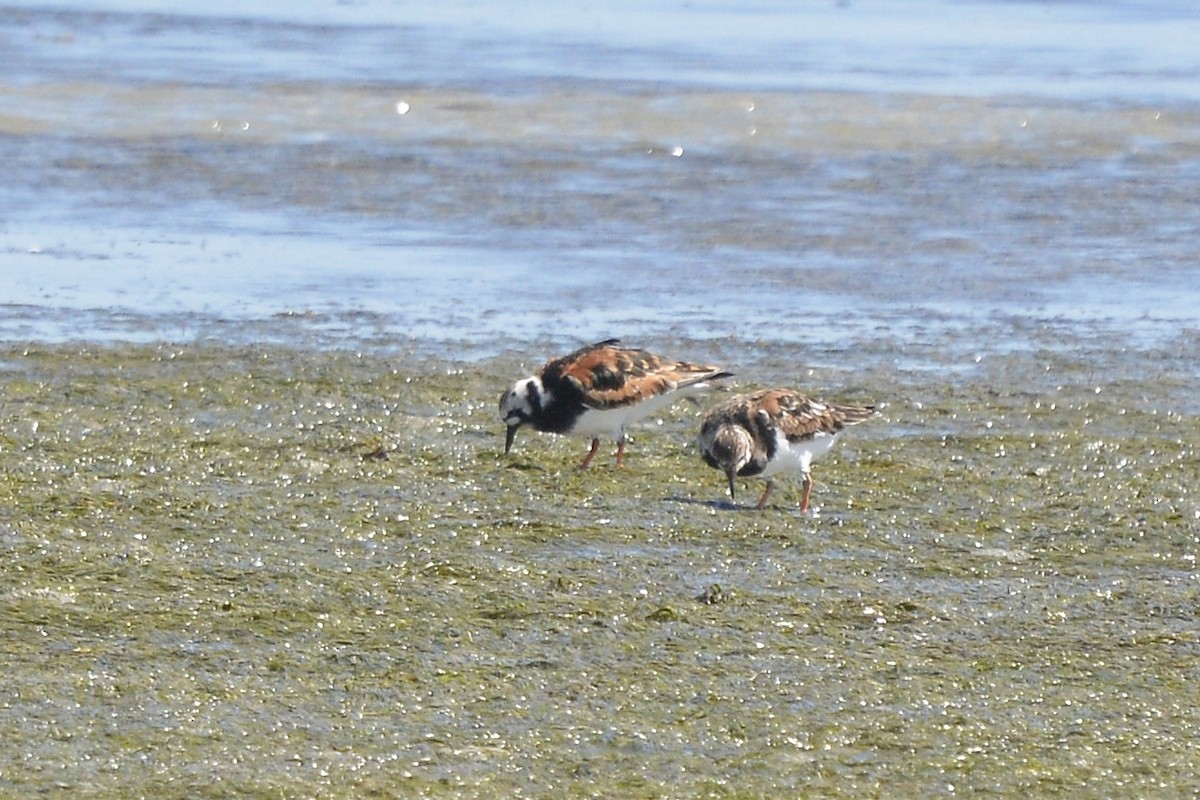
509 436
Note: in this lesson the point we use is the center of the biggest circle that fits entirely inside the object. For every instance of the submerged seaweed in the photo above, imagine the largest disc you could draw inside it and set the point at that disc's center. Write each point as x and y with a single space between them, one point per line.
275 572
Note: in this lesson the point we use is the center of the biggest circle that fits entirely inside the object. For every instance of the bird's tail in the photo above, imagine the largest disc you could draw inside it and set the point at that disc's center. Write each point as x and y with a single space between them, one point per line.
852 415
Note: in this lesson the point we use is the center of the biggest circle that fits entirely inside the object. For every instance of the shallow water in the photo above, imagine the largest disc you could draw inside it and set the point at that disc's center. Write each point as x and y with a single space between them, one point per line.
789 233
472 178
263 279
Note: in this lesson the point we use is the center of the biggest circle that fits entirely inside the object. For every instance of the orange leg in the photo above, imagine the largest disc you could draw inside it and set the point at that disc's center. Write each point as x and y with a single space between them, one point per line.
621 452
762 501
807 492
591 454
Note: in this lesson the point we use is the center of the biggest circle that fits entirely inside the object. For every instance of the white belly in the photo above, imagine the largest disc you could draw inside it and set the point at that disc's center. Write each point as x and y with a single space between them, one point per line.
798 456
612 422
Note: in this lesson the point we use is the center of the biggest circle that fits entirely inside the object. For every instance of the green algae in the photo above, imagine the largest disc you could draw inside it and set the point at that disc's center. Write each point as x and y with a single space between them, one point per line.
281 573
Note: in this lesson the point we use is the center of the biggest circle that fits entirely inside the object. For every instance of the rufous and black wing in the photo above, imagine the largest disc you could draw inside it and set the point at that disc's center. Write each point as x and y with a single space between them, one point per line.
800 417
605 375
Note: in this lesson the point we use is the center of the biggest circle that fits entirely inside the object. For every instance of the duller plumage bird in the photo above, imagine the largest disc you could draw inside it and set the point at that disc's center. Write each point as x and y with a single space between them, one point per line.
772 431
597 391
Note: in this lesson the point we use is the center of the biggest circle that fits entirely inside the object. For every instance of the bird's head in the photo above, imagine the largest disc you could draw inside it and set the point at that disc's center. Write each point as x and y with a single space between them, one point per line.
518 406
729 449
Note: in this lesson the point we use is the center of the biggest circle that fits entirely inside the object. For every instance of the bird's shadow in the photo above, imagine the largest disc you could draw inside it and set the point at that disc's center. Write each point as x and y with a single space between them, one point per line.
525 466
719 505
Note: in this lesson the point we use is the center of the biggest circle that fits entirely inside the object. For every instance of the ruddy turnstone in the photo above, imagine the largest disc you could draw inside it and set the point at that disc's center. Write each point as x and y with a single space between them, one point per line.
773 431
598 390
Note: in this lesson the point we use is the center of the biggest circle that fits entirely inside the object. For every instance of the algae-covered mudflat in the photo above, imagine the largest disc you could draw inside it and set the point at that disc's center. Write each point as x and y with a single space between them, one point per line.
281 572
